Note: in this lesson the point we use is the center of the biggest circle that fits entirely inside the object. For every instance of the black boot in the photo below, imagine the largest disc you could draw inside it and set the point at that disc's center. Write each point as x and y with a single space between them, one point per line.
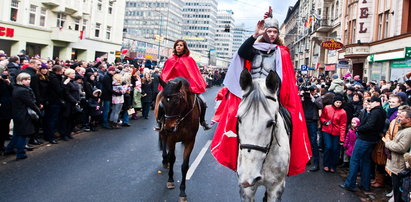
160 117
203 107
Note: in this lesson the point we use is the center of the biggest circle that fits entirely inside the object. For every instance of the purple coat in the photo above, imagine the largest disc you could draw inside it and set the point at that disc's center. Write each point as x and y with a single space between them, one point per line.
350 142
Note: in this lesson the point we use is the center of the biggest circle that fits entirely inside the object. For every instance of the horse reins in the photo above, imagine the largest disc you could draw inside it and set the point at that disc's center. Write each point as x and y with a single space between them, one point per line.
179 120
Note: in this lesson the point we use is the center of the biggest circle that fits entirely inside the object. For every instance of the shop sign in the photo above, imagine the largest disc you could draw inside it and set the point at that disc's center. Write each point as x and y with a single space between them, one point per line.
330 67
363 14
332 45
343 64
8 32
401 63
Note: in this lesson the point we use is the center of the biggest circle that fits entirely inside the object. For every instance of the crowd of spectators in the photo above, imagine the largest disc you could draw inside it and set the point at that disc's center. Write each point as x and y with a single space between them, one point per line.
49 100
362 127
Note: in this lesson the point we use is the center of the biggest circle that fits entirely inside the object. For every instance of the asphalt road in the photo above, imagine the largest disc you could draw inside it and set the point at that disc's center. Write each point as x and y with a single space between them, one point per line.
125 165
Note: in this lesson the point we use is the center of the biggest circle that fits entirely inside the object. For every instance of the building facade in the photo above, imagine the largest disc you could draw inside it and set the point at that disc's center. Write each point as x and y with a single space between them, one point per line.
239 36
152 27
224 34
377 38
199 26
77 29
289 28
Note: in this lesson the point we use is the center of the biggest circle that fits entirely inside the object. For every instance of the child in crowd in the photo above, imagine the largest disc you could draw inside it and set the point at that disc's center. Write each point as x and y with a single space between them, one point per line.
117 100
350 140
137 105
95 111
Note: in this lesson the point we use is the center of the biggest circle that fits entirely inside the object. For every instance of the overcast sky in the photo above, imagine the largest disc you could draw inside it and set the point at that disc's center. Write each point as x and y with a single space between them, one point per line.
249 12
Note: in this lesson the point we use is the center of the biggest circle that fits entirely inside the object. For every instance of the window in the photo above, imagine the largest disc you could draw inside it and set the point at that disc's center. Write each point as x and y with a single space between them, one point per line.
354 29
61 19
110 7
99 5
32 19
77 24
43 17
380 26
386 26
14 10
108 33
84 25
97 32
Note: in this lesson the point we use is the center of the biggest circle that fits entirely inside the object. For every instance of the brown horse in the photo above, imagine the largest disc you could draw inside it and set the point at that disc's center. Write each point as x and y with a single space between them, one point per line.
179 112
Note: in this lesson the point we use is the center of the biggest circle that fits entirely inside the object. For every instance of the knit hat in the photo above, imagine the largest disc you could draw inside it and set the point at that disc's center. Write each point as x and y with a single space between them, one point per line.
338 97
111 68
3 55
44 66
375 99
403 96
335 76
357 77
357 120
95 91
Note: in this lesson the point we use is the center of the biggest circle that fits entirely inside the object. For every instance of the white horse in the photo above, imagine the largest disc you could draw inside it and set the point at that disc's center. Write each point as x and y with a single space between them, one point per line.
264 150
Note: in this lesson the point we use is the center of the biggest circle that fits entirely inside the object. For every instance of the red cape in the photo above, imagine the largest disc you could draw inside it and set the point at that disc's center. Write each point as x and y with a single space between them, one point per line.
224 145
186 67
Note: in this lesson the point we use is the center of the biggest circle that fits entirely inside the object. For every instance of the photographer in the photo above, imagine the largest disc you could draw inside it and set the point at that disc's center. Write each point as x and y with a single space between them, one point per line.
312 104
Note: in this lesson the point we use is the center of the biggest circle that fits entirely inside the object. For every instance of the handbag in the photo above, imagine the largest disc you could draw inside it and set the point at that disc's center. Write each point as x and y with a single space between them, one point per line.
378 155
33 115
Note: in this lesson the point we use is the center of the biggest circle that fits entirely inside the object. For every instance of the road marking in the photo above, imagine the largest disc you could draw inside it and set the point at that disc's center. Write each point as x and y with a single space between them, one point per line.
196 162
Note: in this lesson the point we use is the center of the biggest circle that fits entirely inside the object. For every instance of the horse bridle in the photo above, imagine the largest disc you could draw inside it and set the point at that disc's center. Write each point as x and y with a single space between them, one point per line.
265 149
178 116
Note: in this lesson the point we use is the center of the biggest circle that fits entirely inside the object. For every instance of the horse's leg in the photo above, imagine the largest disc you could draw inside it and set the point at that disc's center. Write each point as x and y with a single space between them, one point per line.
248 194
171 159
188 148
275 192
163 147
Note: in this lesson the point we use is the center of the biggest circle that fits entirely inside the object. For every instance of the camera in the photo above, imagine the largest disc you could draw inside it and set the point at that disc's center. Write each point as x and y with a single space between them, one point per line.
4 76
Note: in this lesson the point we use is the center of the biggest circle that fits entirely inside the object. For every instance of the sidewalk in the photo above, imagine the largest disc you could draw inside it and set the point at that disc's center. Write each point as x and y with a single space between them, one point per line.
375 195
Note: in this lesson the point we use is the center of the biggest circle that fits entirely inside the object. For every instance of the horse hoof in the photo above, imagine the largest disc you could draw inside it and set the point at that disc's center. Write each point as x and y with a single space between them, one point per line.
170 185
182 199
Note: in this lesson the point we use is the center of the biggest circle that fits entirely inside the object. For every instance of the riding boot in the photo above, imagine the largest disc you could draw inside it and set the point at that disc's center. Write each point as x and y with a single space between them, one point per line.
203 107
160 117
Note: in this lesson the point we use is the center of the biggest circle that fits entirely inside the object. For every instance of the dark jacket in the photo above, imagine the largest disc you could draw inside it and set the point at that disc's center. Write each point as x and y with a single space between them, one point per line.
107 88
34 83
311 109
6 91
13 69
372 125
55 91
43 91
357 108
246 50
71 96
147 88
156 82
23 98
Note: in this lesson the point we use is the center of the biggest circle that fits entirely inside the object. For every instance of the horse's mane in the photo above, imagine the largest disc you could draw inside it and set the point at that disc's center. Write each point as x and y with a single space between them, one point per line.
173 84
255 99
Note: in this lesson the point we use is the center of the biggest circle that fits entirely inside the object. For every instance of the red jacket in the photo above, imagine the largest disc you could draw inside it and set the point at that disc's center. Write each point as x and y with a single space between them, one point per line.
338 119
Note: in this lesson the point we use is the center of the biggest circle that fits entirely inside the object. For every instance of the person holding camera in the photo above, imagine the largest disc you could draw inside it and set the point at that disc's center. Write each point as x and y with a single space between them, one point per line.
312 104
334 121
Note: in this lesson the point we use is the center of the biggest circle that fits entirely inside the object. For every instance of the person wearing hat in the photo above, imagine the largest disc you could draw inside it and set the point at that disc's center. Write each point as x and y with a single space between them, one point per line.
368 134
261 53
357 80
3 56
334 122
337 85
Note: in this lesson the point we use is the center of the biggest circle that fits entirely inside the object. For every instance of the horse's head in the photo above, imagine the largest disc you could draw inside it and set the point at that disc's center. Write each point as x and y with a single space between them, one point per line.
175 102
257 120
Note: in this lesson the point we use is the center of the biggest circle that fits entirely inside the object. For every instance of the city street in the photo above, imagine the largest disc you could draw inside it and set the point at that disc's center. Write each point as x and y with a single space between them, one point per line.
125 165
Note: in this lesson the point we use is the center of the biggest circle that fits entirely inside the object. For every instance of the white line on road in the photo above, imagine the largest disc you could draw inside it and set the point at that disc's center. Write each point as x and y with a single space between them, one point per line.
196 162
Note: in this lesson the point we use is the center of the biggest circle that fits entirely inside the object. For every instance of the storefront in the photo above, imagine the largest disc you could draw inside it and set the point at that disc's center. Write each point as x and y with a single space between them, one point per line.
390 66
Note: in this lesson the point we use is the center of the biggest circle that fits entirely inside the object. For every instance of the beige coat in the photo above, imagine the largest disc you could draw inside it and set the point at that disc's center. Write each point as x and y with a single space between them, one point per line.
398 146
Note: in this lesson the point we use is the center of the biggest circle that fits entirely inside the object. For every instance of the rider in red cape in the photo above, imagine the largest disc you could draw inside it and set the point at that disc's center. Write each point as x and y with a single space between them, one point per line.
261 57
180 64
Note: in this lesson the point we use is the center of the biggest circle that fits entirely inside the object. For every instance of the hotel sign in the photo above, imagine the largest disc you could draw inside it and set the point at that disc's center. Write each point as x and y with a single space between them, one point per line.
363 14
332 45
8 32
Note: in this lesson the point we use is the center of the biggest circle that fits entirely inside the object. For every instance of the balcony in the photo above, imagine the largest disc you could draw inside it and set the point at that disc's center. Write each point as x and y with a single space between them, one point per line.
51 3
64 35
323 25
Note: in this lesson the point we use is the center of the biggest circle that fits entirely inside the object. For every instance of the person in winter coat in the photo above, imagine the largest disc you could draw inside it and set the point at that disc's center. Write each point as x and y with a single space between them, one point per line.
22 99
72 99
337 85
398 147
43 75
394 103
357 103
136 104
350 138
89 86
126 80
107 95
147 94
371 126
117 100
334 120
94 108
6 91
55 100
